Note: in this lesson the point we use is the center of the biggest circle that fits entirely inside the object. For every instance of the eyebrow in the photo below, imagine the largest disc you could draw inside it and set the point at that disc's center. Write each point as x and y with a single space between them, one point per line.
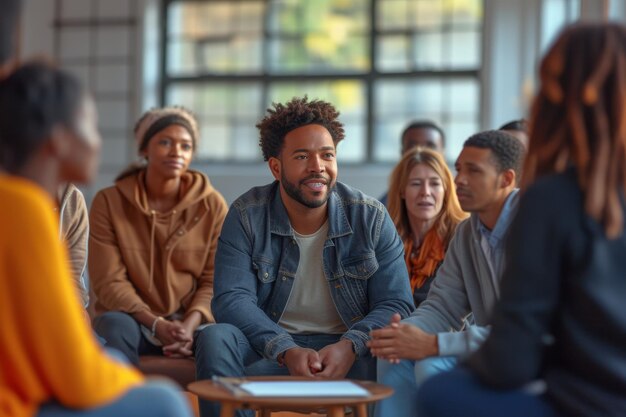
471 164
323 148
166 136
434 177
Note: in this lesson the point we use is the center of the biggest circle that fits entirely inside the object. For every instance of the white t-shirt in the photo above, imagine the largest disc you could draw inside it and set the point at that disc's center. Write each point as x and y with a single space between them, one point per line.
310 308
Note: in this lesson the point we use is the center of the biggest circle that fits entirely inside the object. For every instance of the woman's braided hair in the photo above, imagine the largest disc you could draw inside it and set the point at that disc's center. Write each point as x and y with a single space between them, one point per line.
578 118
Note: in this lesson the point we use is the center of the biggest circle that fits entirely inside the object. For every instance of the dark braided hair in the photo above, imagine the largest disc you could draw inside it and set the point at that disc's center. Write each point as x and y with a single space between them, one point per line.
578 117
283 118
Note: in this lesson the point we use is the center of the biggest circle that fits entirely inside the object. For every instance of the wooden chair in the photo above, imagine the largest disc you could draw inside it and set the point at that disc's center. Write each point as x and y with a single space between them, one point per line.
181 371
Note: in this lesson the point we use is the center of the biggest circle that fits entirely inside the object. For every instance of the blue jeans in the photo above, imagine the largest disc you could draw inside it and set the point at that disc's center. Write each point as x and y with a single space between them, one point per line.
223 350
460 393
154 399
406 378
123 333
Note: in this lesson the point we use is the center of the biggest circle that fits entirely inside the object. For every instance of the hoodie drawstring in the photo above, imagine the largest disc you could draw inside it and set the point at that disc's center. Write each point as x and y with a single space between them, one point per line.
152 232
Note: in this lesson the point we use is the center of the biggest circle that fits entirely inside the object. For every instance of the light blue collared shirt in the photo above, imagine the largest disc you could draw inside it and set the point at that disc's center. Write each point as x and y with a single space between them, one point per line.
492 241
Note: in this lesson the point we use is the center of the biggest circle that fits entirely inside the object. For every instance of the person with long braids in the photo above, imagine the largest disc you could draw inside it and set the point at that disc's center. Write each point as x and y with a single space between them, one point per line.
152 243
50 363
423 205
561 314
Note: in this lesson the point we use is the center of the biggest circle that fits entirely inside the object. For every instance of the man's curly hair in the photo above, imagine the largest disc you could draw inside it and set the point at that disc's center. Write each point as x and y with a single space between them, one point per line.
508 151
283 118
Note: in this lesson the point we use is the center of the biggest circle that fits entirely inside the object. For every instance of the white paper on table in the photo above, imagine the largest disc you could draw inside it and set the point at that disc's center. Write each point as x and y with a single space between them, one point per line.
304 389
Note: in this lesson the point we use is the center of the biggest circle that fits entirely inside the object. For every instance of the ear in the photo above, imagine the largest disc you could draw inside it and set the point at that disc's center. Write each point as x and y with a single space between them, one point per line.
60 141
275 167
508 179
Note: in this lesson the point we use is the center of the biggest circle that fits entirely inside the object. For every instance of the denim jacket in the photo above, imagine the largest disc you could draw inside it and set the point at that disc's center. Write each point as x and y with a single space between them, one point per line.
257 258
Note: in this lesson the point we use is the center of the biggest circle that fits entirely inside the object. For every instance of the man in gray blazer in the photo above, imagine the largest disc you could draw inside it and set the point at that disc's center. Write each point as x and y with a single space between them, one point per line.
454 319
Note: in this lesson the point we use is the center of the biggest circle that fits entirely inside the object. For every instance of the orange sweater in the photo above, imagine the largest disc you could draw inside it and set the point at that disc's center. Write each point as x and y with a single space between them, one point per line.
47 351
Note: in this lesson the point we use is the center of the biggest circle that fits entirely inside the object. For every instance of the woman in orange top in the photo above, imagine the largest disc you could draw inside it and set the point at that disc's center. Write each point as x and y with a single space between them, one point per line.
424 207
50 363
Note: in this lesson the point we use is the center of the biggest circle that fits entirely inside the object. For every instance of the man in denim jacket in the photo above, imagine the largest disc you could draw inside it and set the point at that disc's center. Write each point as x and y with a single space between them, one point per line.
305 267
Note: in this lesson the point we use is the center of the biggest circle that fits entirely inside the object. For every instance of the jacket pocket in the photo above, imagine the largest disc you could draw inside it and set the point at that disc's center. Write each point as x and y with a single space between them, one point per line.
265 271
266 275
362 267
353 285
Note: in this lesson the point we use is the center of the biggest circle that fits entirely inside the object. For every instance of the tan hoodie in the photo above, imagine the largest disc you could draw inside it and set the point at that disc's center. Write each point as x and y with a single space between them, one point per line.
140 259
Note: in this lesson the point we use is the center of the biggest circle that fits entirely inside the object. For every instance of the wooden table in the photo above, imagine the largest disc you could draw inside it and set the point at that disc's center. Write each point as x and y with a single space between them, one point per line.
335 406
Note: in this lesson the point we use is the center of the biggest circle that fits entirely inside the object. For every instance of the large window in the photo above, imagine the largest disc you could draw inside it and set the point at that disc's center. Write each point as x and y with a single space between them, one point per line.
382 63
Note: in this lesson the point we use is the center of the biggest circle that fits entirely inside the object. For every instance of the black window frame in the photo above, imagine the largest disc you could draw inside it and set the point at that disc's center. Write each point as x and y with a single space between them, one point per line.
368 79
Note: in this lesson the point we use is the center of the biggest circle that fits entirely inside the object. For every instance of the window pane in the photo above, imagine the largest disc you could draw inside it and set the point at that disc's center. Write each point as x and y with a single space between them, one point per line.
320 36
428 50
246 142
352 148
214 18
441 34
457 131
393 54
452 104
227 114
315 53
287 55
463 96
428 14
466 12
337 16
214 143
464 50
215 37
409 98
182 95
392 14
238 54
180 58
75 43
249 17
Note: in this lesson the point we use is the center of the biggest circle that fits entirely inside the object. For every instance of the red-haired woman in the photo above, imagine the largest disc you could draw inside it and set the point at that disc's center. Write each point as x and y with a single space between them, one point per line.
423 205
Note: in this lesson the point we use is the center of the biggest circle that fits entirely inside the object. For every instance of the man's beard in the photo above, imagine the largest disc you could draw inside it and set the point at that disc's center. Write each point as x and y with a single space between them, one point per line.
294 192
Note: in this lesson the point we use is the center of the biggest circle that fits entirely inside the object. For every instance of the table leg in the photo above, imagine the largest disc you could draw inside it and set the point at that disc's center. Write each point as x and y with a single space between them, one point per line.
361 410
227 410
336 411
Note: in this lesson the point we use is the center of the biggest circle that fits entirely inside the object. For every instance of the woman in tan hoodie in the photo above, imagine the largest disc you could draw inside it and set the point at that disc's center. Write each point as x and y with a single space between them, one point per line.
152 243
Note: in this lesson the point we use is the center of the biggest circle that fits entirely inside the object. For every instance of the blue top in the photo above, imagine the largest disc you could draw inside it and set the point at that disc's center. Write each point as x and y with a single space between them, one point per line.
257 258
493 241
561 314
